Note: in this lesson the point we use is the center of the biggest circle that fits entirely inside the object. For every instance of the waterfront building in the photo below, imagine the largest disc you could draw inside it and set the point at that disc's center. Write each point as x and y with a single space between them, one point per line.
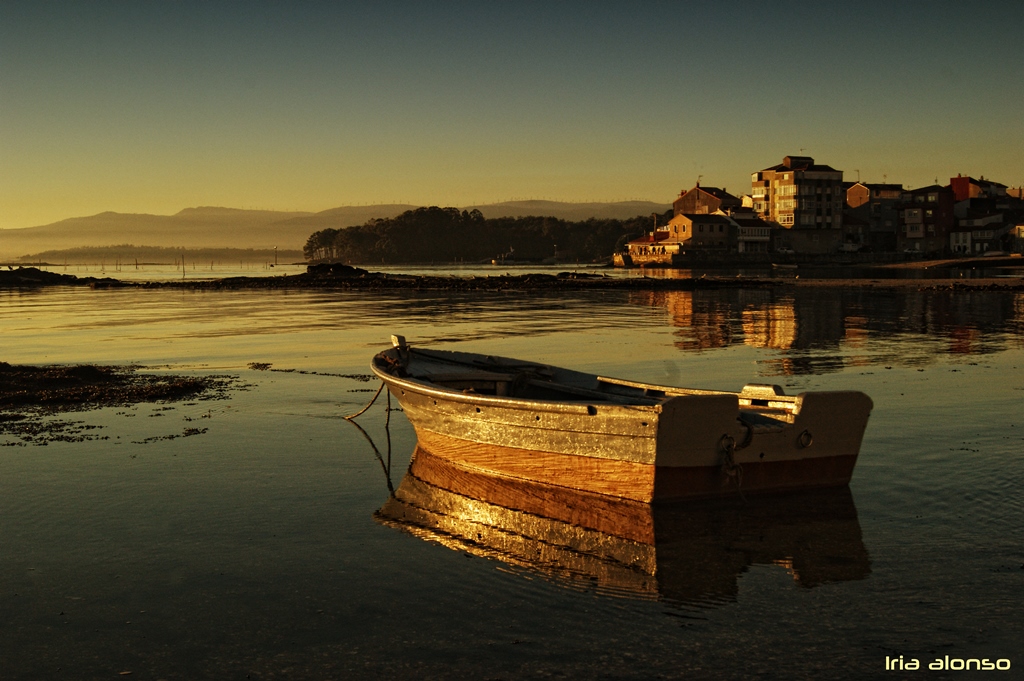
753 235
1017 242
685 233
980 234
926 220
856 232
653 247
805 198
705 200
965 188
702 232
874 206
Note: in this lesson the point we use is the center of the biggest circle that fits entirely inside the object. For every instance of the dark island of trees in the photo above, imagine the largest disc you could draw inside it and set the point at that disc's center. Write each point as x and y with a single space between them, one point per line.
449 235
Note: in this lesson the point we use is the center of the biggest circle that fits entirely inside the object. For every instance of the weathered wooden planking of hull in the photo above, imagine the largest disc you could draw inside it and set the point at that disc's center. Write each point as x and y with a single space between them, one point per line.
530 421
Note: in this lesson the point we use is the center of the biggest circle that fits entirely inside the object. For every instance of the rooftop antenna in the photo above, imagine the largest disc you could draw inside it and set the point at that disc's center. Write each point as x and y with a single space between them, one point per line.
884 177
858 174
698 179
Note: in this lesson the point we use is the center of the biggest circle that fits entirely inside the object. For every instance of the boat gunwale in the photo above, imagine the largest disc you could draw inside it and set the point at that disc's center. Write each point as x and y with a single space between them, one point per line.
451 395
750 397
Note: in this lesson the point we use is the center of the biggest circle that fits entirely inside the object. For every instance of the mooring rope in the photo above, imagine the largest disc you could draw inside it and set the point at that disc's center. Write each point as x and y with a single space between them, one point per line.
363 410
376 452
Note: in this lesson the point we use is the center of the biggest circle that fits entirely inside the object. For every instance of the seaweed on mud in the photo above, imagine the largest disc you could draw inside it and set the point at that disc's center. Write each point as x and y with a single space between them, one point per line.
266 366
70 388
41 432
188 432
30 396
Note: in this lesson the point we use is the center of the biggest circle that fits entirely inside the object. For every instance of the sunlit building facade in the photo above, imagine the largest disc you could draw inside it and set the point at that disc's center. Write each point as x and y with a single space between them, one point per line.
705 200
800 195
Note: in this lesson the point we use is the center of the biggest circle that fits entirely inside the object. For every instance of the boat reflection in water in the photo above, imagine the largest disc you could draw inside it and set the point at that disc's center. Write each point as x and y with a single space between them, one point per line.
687 553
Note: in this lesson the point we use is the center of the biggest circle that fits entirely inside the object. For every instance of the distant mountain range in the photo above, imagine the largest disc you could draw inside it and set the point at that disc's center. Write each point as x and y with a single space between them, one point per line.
211 227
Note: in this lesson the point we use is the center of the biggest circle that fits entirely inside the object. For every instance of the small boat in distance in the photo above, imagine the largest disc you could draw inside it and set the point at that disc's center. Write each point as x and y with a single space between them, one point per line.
530 421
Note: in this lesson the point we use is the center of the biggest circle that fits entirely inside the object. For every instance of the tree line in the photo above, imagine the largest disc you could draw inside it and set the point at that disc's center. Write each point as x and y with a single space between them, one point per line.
449 235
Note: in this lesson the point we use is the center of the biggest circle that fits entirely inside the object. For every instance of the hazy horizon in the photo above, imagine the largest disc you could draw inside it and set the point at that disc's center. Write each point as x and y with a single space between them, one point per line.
299 212
149 109
227 227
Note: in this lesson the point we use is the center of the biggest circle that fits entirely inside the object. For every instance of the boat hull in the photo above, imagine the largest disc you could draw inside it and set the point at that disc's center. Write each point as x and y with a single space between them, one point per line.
638 481
686 446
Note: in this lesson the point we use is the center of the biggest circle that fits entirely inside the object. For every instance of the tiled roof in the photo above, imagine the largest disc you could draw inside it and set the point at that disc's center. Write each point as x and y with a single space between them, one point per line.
985 183
720 194
781 168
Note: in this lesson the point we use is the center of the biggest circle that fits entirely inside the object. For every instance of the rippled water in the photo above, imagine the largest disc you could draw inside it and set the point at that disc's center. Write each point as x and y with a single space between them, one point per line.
260 548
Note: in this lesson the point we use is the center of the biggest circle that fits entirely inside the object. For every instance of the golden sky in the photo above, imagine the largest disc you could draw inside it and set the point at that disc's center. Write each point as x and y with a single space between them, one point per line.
155 107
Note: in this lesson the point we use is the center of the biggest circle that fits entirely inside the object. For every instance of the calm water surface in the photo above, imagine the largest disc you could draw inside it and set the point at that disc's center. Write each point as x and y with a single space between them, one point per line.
252 550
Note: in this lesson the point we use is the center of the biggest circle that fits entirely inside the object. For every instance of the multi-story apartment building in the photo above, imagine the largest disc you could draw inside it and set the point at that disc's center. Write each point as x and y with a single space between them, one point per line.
875 204
802 196
926 219
980 234
968 188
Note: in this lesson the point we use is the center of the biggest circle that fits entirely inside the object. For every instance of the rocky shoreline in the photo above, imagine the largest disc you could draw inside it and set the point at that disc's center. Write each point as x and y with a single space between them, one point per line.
343 277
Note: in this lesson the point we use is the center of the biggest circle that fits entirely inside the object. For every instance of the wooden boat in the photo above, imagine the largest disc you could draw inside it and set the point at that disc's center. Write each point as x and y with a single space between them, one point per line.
686 553
531 421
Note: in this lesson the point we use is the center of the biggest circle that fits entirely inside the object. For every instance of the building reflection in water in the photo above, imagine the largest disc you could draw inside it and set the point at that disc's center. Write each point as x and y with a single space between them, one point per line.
1018 318
689 554
772 325
818 330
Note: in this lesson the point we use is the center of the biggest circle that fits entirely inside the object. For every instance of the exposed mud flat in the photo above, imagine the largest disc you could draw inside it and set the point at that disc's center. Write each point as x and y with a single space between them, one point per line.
30 396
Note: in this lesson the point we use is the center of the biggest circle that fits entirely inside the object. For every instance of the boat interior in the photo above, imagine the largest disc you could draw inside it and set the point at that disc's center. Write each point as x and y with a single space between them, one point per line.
471 373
